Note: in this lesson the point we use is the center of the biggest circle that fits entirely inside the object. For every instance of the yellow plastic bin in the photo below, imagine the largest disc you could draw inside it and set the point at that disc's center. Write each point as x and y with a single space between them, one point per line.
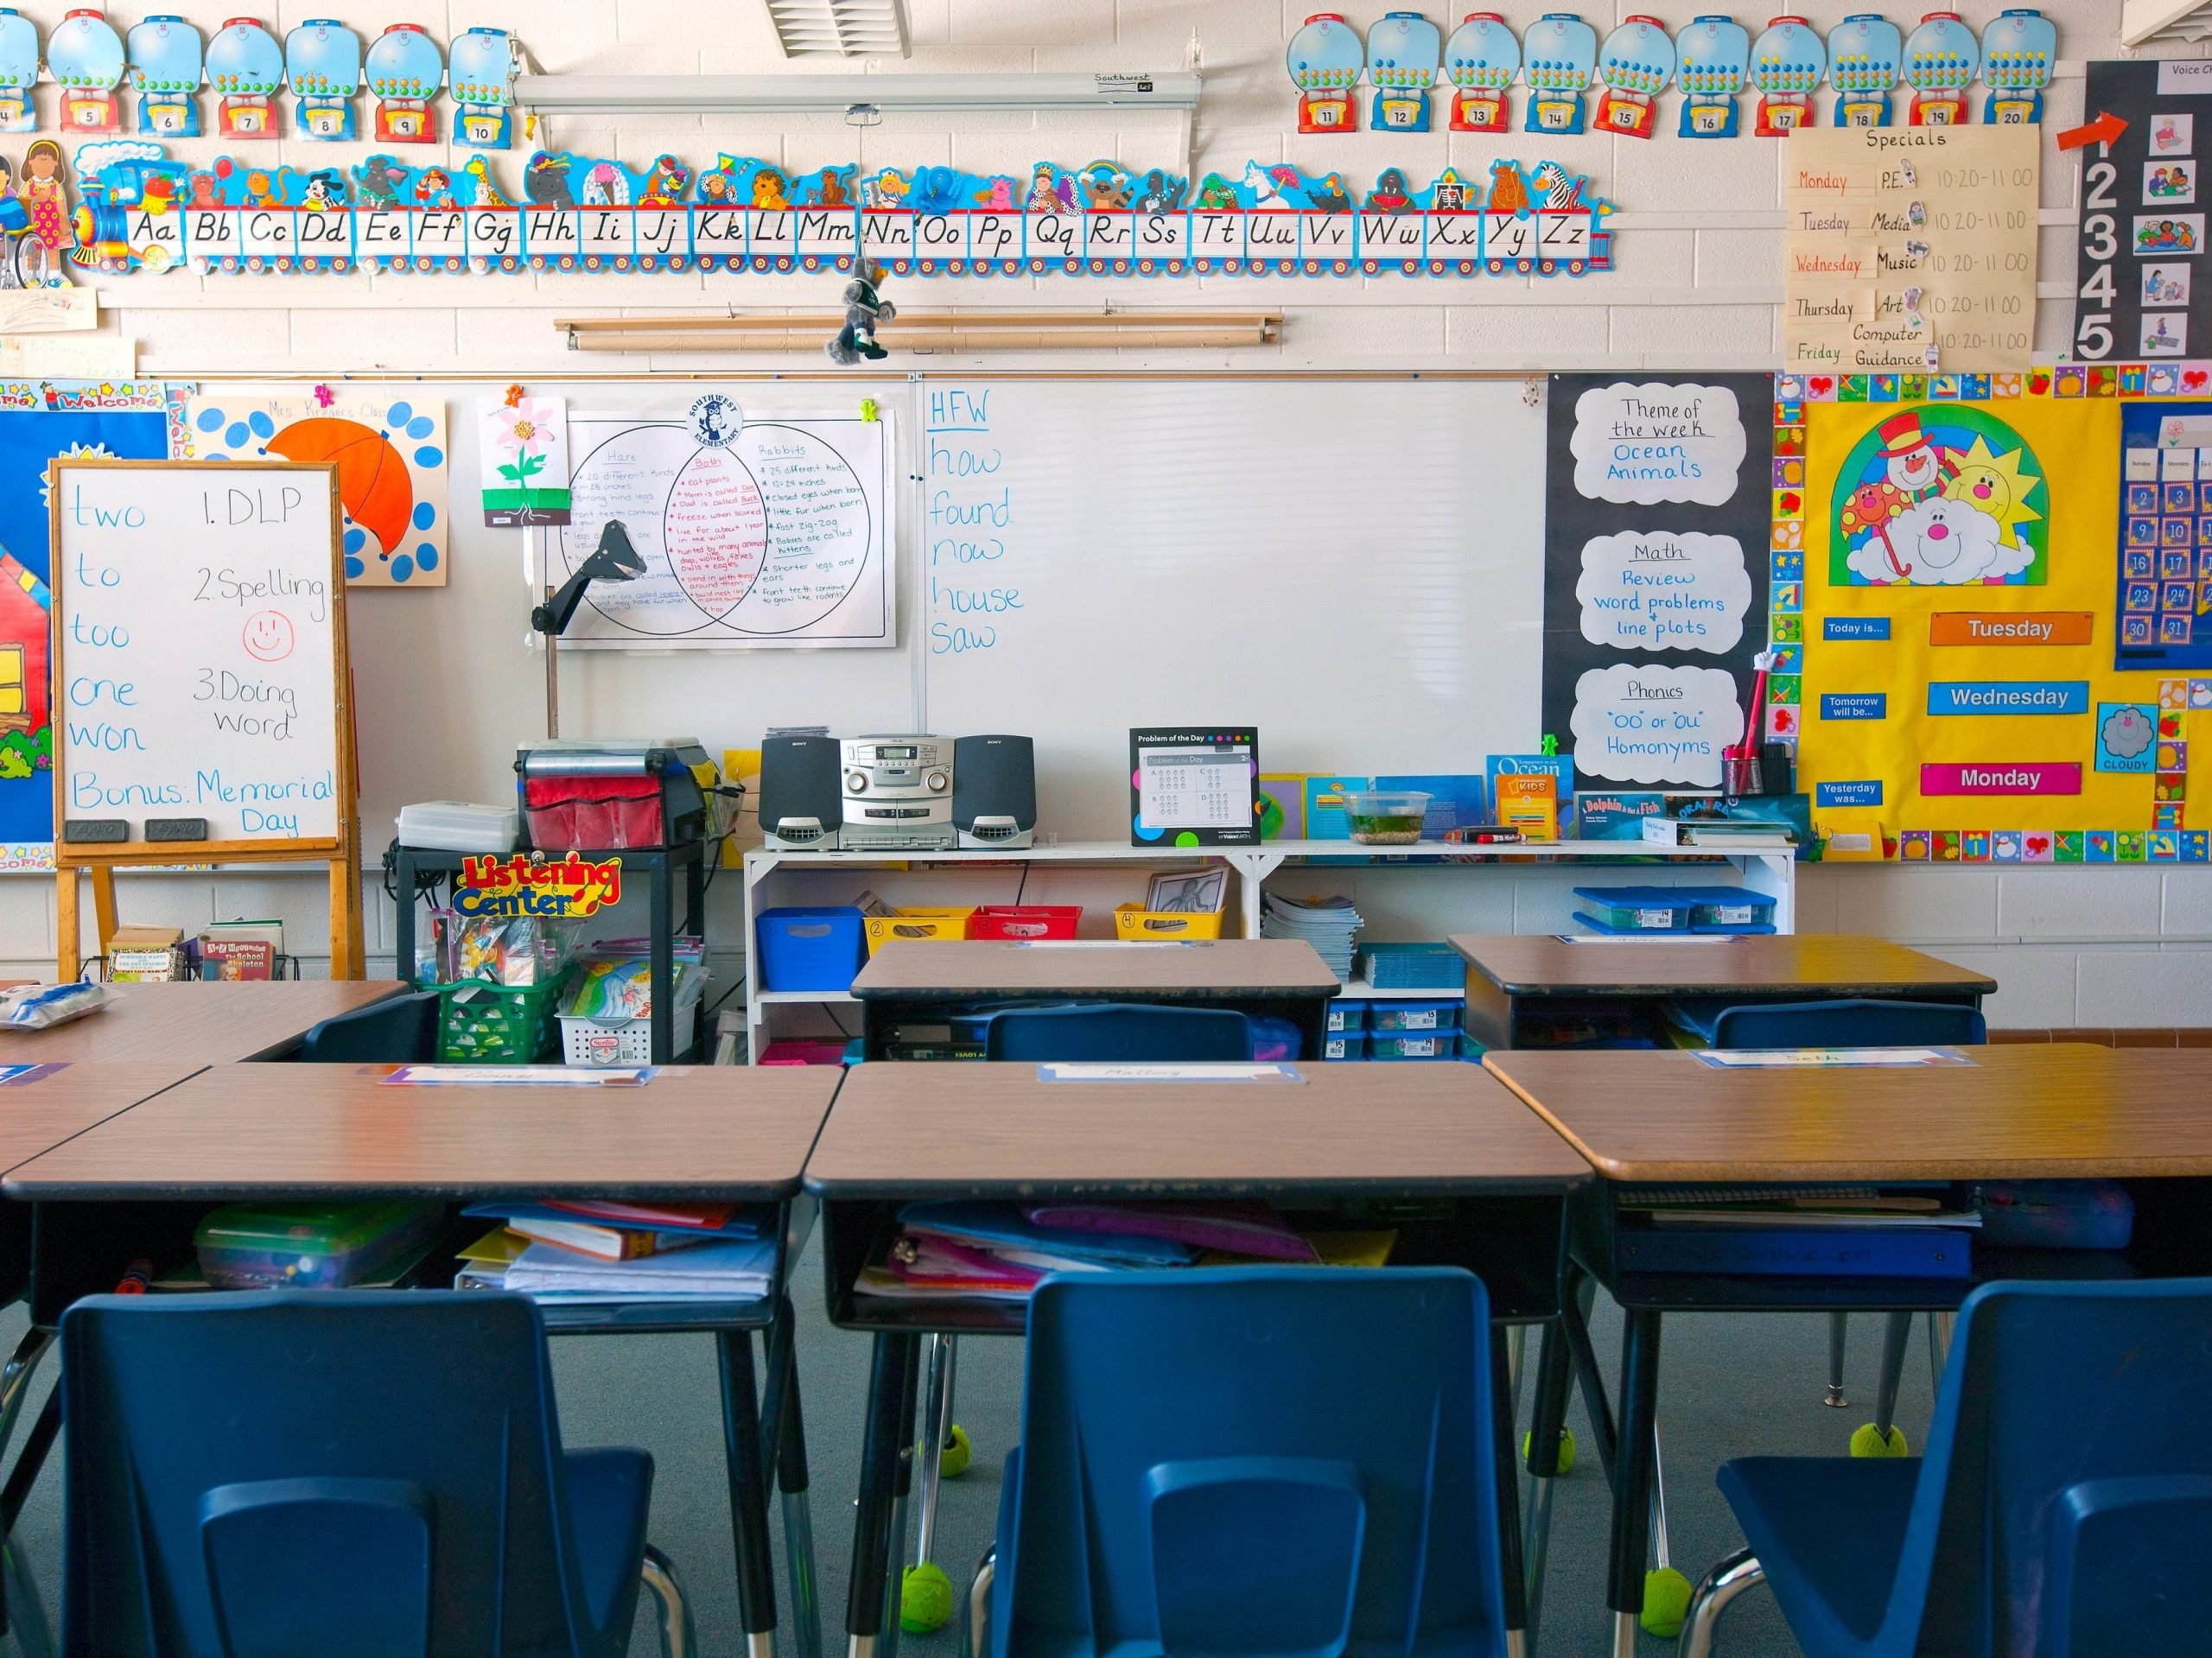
918 924
1134 923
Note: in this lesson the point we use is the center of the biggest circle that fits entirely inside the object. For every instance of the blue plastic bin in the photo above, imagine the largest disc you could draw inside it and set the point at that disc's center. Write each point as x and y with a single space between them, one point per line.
1345 1013
809 948
1345 1044
1424 1044
1414 1018
1636 909
1728 909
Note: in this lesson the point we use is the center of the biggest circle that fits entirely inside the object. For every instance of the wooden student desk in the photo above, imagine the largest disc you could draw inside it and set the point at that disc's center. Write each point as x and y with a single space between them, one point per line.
1468 1177
205 1022
1515 979
47 1104
2067 1111
134 1185
910 980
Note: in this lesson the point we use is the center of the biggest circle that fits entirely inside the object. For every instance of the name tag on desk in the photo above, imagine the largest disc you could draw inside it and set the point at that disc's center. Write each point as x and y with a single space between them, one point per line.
520 1077
1096 1072
1824 1058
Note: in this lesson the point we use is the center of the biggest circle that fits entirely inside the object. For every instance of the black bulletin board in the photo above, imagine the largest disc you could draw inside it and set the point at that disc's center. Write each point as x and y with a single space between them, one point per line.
1573 520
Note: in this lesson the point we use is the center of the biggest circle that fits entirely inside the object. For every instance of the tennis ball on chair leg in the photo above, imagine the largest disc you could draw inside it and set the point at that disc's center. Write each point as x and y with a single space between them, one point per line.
1566 1449
953 1458
1666 1601
1867 1442
924 1598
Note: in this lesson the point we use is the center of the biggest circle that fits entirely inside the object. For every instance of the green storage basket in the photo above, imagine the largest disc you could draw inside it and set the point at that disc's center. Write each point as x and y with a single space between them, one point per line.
481 1024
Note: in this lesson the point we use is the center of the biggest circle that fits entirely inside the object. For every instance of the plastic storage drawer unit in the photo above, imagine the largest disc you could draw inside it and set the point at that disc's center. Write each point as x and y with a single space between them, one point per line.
1413 1017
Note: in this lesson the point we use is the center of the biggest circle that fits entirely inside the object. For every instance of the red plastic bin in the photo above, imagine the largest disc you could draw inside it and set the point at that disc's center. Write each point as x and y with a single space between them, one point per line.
1024 921
803 1053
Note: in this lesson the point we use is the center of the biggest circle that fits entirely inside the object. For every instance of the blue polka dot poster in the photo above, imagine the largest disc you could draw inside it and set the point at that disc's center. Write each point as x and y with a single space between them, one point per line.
390 451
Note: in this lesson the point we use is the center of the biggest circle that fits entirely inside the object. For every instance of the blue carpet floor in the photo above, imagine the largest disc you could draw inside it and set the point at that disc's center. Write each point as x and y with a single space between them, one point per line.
1730 1386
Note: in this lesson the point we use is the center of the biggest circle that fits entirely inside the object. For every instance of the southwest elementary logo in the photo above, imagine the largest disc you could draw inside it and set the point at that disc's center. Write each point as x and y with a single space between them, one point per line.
717 420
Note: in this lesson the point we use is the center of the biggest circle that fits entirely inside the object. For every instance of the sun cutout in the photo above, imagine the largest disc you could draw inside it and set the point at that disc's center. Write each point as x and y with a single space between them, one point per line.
1994 484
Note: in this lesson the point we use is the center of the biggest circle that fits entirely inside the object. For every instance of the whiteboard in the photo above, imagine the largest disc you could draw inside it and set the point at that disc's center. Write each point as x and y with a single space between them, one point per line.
1354 568
779 531
1261 492
199 619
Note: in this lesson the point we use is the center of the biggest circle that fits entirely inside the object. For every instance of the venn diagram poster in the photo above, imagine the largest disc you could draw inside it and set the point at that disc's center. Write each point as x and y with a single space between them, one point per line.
1970 613
1656 585
766 531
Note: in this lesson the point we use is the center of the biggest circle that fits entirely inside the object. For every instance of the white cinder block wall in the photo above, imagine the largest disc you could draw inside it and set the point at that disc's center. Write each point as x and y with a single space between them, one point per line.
1699 286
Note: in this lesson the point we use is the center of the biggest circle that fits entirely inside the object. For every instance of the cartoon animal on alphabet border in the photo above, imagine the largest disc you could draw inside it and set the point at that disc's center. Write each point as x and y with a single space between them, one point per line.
1939 498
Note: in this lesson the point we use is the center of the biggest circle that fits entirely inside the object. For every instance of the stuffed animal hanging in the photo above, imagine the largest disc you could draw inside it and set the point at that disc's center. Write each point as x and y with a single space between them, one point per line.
864 309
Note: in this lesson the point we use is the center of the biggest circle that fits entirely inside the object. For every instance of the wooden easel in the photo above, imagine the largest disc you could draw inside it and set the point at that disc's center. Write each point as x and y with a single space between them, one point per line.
340 851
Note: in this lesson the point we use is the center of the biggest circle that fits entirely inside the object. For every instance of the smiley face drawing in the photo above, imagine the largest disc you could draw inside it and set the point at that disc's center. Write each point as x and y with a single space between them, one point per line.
268 635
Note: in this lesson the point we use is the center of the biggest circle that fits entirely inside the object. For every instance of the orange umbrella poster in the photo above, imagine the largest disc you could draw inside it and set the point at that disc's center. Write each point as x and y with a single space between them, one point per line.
391 454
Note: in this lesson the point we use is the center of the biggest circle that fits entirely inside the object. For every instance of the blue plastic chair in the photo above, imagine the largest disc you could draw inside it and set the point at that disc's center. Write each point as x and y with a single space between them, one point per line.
1253 1460
1851 1022
1120 1033
398 1031
354 1474
2064 1507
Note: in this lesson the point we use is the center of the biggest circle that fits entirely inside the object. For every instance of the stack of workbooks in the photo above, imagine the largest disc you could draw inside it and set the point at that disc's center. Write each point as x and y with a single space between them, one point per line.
593 1251
980 1250
1819 1232
1329 924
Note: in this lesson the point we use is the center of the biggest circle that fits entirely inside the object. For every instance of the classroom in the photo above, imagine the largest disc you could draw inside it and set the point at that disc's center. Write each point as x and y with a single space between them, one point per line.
593 744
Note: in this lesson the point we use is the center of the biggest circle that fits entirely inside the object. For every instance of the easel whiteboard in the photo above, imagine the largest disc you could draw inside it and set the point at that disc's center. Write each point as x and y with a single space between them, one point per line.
199 655
779 532
1355 567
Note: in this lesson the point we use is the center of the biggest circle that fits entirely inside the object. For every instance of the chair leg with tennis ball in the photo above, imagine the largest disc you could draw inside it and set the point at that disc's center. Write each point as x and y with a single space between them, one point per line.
1882 1436
1666 1592
926 1592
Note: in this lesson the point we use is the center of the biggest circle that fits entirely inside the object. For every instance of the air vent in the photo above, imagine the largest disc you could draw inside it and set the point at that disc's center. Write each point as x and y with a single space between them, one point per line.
842 29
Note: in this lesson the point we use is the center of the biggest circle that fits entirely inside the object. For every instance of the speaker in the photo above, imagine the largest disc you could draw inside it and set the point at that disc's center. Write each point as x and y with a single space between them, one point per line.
994 792
802 801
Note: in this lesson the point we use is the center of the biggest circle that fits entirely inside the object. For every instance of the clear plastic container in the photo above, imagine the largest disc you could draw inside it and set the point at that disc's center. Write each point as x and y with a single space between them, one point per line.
308 1245
1385 817
458 826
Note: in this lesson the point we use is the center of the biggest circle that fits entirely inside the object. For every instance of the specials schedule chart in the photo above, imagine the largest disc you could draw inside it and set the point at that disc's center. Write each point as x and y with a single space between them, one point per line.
1909 249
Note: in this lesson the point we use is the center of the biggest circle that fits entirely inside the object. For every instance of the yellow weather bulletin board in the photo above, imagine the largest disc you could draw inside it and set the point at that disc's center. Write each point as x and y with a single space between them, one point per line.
1961 692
